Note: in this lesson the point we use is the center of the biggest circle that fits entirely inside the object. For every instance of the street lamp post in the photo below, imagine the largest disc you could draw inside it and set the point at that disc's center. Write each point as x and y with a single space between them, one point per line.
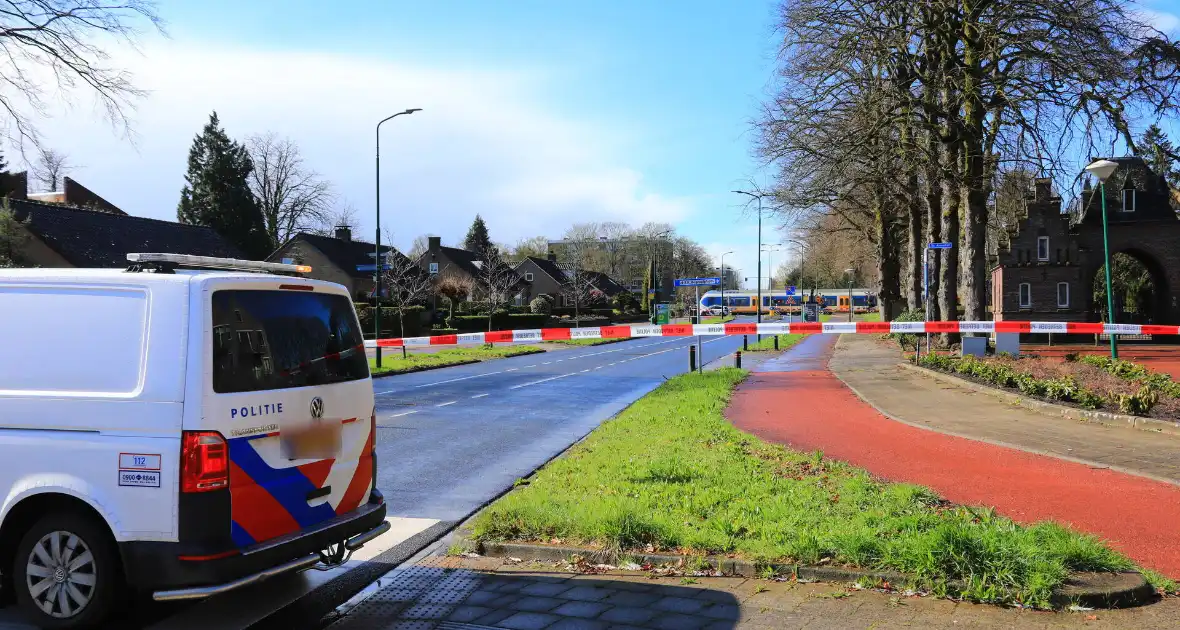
850 308
724 306
759 197
377 274
1102 169
770 249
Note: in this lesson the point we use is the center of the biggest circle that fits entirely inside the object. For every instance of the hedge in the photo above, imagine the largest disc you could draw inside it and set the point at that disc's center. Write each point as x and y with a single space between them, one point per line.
389 327
500 321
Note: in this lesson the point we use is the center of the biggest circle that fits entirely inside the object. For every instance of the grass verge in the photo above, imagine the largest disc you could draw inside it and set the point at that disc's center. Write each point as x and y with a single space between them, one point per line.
393 363
767 343
719 320
672 474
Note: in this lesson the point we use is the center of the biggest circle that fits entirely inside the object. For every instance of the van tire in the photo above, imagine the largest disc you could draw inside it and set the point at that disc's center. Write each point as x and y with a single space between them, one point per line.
104 570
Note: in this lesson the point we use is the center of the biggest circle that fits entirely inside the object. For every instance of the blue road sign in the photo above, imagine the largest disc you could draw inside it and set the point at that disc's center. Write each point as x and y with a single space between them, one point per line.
696 282
940 245
791 290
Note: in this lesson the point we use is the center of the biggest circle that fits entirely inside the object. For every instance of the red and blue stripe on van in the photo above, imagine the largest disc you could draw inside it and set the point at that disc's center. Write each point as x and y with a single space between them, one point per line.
267 502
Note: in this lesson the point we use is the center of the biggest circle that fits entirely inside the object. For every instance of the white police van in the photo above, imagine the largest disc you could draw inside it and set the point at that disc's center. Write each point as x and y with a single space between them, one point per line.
182 428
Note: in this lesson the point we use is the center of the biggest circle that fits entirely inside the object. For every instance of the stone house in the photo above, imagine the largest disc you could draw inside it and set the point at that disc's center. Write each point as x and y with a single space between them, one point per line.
1046 269
334 258
544 276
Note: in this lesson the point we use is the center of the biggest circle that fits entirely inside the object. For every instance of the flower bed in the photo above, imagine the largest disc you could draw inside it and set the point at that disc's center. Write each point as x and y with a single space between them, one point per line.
1088 382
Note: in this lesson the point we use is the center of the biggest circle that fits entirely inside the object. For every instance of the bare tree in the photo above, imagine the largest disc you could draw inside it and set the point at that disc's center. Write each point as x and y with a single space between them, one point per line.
497 283
405 285
65 38
580 243
50 168
344 215
420 245
537 246
293 197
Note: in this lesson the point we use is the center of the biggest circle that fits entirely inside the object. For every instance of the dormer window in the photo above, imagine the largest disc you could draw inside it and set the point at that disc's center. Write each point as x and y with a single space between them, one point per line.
1043 248
1128 200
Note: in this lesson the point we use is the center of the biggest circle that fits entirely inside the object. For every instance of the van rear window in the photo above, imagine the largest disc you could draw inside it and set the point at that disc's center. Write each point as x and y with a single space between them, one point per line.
279 339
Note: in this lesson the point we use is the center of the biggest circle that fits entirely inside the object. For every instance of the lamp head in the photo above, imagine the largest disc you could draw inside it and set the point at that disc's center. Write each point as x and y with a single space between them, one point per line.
1102 169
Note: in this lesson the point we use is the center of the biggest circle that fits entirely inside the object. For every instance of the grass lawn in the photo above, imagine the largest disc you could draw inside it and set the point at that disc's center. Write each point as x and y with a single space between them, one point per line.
672 474
767 343
393 363
718 320
584 342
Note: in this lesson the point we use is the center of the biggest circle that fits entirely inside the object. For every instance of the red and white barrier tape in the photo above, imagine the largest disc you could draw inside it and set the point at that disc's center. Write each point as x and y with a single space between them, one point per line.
692 330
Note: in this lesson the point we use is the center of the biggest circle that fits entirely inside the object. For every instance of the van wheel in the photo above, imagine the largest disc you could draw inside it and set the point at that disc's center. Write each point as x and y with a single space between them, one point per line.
66 572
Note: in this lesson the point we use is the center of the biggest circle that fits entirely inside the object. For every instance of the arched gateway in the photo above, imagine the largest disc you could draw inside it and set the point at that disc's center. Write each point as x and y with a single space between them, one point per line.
1047 269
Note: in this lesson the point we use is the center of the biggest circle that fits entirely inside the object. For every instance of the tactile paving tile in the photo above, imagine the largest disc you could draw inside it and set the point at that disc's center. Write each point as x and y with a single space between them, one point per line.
427 611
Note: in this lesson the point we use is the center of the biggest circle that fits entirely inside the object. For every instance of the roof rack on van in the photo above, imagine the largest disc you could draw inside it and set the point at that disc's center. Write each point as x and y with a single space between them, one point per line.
169 263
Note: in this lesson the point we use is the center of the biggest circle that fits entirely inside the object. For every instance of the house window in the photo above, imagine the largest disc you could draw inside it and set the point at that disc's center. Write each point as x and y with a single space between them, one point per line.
1062 295
1043 248
528 277
1025 295
1128 200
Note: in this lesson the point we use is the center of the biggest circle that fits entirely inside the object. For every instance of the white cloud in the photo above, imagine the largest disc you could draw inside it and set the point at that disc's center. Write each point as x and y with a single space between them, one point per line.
485 141
1162 20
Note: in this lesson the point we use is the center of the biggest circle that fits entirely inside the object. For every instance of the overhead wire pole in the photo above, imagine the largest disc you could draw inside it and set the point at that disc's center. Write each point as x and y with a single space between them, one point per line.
759 197
377 254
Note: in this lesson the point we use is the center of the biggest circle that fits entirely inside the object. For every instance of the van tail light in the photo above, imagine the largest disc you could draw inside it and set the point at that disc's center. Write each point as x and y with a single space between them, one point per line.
204 461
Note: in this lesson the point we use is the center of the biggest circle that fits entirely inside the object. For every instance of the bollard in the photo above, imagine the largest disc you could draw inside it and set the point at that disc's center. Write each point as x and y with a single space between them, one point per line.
404 352
776 342
746 343
737 359
692 358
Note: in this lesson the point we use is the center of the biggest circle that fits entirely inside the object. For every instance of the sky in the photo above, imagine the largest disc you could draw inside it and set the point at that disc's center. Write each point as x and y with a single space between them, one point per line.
536 114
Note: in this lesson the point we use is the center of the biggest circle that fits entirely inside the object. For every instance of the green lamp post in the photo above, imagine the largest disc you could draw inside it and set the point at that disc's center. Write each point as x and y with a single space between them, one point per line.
1103 169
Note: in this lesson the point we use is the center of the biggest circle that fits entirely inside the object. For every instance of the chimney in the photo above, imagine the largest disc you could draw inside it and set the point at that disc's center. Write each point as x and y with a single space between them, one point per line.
433 243
1043 187
343 232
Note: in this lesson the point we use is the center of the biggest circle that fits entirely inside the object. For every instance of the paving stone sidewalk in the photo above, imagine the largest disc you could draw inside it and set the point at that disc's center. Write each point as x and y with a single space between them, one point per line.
869 366
473 593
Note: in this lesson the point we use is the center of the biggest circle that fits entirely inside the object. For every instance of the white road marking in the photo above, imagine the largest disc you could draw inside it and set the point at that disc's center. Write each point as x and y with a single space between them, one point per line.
446 403
404 413
479 395
547 363
511 369
454 380
544 380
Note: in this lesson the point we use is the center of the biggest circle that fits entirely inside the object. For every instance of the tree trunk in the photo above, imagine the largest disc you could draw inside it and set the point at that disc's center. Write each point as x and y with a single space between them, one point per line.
888 259
948 296
974 194
914 249
933 207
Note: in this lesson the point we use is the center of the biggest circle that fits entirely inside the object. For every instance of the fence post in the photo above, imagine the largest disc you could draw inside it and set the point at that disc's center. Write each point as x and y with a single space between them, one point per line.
737 359
746 343
692 358
776 342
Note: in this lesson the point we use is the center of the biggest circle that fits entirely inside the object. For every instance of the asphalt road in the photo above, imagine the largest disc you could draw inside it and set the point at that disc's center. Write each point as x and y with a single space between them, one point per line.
451 440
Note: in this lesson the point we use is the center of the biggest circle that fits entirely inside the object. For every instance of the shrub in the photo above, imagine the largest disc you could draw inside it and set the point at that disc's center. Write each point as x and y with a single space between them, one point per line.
389 320
500 321
1139 403
541 306
908 340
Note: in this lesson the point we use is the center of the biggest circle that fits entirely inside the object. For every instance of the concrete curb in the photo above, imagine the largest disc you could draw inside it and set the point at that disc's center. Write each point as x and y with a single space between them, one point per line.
427 368
1098 417
1092 590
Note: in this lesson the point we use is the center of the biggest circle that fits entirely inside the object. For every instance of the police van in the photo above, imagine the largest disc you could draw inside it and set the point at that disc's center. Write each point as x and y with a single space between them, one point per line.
180 428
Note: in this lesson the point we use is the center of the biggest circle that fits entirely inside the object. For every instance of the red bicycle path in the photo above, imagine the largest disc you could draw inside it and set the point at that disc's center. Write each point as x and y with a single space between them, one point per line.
796 401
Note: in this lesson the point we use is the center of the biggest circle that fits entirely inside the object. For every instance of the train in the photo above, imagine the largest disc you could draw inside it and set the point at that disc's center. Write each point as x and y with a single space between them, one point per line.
778 301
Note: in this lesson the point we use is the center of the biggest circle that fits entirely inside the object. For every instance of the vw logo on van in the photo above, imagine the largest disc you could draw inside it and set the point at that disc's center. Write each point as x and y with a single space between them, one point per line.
317 407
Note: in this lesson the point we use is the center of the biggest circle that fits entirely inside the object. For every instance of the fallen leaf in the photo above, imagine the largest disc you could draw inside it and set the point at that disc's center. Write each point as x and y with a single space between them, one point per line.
1091 617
